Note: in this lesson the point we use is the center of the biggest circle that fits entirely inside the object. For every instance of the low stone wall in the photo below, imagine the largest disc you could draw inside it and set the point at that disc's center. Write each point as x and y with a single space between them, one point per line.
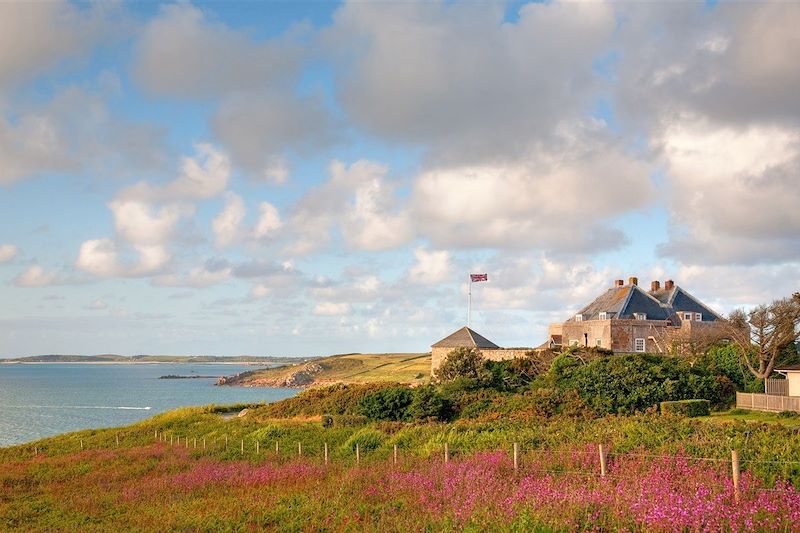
438 355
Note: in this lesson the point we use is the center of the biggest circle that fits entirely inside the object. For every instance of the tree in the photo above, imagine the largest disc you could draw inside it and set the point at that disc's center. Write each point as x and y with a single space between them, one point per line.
764 333
463 363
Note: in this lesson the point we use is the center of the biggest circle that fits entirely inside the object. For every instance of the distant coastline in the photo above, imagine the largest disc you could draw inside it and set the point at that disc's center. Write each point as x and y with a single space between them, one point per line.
113 359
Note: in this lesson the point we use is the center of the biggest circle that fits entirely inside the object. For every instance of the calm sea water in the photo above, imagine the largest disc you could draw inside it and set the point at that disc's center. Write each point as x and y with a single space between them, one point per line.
46 399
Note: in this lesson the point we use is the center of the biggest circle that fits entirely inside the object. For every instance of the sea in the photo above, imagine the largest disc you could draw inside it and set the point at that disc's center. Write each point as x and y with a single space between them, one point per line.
45 399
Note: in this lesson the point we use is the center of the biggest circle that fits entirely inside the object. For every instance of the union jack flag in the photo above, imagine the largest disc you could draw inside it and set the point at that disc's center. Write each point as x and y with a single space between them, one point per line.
479 277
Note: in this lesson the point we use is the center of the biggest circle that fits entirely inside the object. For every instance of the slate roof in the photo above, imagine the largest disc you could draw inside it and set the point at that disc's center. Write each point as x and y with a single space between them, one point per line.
623 302
465 338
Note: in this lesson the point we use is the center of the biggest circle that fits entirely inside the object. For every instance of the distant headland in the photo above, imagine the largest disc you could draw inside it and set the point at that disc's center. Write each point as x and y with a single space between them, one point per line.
134 359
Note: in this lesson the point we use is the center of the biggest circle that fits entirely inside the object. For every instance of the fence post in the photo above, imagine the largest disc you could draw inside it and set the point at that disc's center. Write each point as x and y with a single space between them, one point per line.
204 444
358 455
603 458
117 440
242 446
226 443
394 455
276 447
81 444
195 443
326 453
155 435
299 450
446 453
170 440
186 441
257 447
516 457
736 473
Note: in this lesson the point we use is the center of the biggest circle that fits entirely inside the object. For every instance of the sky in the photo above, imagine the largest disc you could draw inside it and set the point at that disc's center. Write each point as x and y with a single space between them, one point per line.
308 178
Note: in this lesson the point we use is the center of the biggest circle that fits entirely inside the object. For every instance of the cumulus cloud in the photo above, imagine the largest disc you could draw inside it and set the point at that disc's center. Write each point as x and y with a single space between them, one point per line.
227 225
442 75
332 309
183 53
211 273
269 221
35 36
431 266
359 201
734 193
36 276
8 252
75 132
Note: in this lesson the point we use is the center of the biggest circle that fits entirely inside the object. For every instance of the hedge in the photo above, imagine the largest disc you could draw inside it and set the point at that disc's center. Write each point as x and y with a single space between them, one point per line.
689 408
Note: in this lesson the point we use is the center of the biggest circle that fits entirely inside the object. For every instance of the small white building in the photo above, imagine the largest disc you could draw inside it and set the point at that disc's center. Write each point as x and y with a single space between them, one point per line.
792 374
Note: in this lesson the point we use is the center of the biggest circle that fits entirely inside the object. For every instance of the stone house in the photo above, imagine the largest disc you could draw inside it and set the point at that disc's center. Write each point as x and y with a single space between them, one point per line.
627 318
467 338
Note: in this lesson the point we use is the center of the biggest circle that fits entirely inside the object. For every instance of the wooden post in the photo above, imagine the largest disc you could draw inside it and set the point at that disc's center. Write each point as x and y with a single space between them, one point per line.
170 440
603 457
358 455
276 447
117 439
204 444
35 450
242 446
195 443
736 473
516 457
394 455
299 449
446 453
325 451
155 435
226 442
256 447
186 441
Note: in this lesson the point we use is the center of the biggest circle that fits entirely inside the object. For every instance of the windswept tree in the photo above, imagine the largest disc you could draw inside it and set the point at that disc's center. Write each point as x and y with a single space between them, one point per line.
463 363
762 334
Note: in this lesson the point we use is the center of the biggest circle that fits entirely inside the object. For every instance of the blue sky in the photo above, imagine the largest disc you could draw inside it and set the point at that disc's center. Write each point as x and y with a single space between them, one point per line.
302 178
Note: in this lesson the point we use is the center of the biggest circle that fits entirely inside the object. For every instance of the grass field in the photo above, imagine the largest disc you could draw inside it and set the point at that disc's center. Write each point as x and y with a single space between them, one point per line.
411 368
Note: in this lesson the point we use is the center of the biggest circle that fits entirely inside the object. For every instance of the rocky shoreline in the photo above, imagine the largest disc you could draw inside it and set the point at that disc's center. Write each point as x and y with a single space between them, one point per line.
303 376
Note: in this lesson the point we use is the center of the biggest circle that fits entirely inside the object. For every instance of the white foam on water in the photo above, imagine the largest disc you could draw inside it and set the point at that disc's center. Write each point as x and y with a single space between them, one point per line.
80 407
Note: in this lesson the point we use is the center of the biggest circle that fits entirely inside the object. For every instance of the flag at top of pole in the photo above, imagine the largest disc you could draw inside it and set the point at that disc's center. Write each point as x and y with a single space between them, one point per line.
473 278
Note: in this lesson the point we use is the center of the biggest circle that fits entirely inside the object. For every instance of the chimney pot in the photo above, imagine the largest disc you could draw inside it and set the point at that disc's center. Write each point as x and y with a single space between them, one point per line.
669 285
654 286
619 283
633 280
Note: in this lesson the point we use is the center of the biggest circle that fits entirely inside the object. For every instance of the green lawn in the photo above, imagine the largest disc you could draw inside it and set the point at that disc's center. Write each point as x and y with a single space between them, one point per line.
754 416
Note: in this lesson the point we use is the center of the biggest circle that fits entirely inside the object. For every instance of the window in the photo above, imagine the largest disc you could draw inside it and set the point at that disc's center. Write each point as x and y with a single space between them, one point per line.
598 342
639 345
579 318
602 316
640 316
698 317
687 316
574 342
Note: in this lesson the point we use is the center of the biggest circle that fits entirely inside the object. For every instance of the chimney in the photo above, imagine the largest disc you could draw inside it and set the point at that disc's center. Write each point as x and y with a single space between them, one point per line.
669 285
619 283
654 286
633 280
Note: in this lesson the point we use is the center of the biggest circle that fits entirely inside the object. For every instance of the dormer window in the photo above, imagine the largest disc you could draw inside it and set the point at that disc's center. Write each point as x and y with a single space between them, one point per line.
687 316
602 316
579 318
698 317
640 316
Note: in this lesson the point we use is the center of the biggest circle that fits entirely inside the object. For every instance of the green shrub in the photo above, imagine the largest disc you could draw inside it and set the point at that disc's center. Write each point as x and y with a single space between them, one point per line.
349 421
387 404
688 408
427 404
339 399
327 421
463 363
367 439
634 382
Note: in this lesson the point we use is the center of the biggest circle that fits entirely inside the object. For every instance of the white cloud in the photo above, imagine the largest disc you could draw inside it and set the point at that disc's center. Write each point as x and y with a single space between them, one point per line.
332 309
269 221
98 257
259 291
8 252
35 36
197 277
431 267
734 193
97 305
227 225
36 276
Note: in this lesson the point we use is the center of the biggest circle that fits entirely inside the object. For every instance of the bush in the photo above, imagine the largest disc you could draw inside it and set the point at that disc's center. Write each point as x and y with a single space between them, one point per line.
427 404
367 440
634 382
387 404
463 363
688 408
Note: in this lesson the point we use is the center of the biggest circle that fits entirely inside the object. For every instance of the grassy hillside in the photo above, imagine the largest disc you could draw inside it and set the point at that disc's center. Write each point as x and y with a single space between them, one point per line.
411 368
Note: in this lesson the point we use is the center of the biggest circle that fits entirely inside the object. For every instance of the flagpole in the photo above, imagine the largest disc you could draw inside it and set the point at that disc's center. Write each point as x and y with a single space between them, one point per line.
469 305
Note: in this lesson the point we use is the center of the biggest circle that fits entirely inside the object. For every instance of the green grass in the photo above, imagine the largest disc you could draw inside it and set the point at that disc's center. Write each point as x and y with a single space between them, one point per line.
355 368
788 420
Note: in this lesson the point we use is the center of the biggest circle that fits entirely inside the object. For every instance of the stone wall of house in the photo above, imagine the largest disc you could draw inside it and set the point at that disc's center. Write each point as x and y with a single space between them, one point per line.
625 332
438 355
593 329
